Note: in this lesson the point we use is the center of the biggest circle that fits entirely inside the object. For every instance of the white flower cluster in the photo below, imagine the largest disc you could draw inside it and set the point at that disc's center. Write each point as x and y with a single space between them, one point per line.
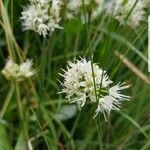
42 16
13 71
82 85
126 11
75 7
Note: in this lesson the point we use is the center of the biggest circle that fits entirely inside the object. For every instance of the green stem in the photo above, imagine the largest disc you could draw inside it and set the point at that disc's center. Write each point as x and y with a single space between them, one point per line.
90 48
22 118
126 52
12 14
92 67
99 131
6 103
131 10
42 132
19 102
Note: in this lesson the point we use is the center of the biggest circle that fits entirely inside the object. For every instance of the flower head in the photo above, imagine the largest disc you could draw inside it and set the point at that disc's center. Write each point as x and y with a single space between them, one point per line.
85 82
13 71
75 8
130 11
112 100
42 16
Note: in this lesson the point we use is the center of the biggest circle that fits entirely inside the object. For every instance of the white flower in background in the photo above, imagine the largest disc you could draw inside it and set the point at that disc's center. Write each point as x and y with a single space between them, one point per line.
80 87
97 10
13 71
75 8
39 1
42 16
112 7
126 11
26 70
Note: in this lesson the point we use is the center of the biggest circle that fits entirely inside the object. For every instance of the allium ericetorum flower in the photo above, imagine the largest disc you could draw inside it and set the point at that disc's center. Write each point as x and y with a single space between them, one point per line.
42 16
75 8
125 11
82 85
13 71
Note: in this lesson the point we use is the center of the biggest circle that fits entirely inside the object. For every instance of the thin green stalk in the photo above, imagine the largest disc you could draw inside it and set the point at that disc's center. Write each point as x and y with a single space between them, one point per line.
64 130
42 132
90 48
131 10
91 56
43 65
117 67
6 103
12 14
38 99
75 124
99 131
134 123
100 86
20 109
76 43
10 39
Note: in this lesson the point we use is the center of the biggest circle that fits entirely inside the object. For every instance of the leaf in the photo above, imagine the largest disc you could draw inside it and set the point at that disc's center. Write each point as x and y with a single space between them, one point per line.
21 144
4 142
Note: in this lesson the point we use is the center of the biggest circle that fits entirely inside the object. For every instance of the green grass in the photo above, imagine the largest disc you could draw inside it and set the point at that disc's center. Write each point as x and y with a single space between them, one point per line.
33 105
